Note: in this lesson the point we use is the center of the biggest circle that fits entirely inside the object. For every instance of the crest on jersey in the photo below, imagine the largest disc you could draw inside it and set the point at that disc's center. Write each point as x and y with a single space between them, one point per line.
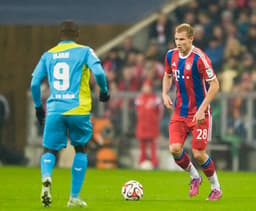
174 64
209 73
188 66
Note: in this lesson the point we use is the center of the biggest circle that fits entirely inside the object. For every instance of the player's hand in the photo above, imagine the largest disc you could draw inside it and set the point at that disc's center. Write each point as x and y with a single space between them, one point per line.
167 101
40 115
104 96
199 117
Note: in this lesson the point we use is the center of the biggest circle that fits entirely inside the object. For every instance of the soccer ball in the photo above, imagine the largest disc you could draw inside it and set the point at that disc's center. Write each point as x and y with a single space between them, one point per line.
132 190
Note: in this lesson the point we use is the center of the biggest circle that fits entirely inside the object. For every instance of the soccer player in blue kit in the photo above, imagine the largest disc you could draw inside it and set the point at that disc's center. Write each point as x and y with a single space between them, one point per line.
67 67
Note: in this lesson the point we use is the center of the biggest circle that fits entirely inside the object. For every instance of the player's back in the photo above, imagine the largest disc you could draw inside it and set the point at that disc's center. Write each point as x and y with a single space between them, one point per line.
68 78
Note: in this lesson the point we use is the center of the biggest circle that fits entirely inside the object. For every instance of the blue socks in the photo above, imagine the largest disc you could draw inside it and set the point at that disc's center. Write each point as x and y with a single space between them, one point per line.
47 164
78 172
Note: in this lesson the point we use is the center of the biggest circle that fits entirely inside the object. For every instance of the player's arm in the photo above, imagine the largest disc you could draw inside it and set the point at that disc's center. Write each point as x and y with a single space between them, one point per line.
166 85
208 74
212 91
38 75
167 82
95 66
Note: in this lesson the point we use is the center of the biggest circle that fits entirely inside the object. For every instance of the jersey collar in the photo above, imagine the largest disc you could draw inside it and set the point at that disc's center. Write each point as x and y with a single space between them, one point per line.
66 41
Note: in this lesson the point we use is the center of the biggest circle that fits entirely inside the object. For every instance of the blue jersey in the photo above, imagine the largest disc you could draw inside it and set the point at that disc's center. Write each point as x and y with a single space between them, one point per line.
67 67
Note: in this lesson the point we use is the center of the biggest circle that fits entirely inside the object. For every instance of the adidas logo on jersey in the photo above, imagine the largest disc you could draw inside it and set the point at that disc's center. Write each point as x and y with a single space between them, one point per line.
174 64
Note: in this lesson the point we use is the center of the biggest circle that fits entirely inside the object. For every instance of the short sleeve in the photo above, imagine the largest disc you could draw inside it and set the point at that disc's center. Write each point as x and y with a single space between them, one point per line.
167 66
205 68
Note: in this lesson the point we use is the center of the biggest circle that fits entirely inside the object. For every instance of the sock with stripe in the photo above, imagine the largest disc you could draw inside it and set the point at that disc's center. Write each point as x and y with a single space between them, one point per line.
209 170
184 162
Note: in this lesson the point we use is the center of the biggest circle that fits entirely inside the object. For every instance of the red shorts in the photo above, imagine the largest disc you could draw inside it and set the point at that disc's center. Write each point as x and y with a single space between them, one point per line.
179 128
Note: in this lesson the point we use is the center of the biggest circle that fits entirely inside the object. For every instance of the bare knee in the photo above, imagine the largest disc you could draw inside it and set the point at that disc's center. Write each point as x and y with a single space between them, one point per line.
175 149
81 149
200 155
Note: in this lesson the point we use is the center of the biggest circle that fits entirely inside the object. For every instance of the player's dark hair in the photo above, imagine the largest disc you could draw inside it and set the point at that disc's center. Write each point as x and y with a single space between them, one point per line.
185 27
69 30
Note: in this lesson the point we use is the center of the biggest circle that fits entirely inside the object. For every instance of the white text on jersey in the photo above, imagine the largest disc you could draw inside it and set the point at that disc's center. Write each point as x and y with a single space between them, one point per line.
61 55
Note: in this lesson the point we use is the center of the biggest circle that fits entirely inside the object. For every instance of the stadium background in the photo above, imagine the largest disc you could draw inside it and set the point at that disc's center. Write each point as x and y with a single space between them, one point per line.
226 30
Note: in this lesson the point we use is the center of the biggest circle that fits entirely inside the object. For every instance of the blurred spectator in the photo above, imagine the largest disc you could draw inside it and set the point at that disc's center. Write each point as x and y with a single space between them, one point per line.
113 62
215 51
154 52
153 71
231 5
251 40
149 110
4 114
253 76
243 24
111 75
226 19
129 81
219 33
131 57
200 39
126 48
213 11
231 31
242 4
228 75
233 48
8 155
4 111
237 119
161 29
190 18
247 63
113 107
205 21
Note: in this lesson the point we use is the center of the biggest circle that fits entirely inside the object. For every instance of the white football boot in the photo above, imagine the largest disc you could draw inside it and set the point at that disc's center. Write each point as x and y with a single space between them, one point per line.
76 202
46 197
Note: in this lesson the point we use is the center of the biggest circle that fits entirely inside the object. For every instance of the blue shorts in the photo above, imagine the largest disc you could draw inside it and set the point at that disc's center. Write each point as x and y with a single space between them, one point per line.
59 127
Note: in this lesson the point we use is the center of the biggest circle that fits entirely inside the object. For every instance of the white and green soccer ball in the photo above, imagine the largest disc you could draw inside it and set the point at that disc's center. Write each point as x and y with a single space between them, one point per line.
132 190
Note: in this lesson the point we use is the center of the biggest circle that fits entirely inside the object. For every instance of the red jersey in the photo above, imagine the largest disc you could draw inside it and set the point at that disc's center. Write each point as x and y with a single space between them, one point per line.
191 74
148 109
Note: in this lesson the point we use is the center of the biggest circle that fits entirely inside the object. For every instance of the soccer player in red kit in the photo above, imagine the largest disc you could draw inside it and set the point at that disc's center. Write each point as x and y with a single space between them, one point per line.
192 70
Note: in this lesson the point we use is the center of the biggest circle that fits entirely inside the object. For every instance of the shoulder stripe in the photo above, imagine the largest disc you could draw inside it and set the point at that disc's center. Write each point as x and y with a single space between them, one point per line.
201 55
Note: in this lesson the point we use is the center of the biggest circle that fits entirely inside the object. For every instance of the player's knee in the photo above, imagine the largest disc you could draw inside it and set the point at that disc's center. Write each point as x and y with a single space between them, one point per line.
199 155
51 151
82 149
175 149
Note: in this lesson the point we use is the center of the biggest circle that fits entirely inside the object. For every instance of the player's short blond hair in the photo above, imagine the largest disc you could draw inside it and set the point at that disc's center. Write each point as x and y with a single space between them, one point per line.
185 27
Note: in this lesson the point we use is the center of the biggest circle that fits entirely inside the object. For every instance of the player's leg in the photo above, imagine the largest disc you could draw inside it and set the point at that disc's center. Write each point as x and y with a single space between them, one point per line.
142 145
80 130
153 147
177 135
53 140
201 134
79 168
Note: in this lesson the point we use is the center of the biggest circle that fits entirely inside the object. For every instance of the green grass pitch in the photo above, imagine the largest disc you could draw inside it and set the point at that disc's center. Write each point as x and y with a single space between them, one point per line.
163 190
